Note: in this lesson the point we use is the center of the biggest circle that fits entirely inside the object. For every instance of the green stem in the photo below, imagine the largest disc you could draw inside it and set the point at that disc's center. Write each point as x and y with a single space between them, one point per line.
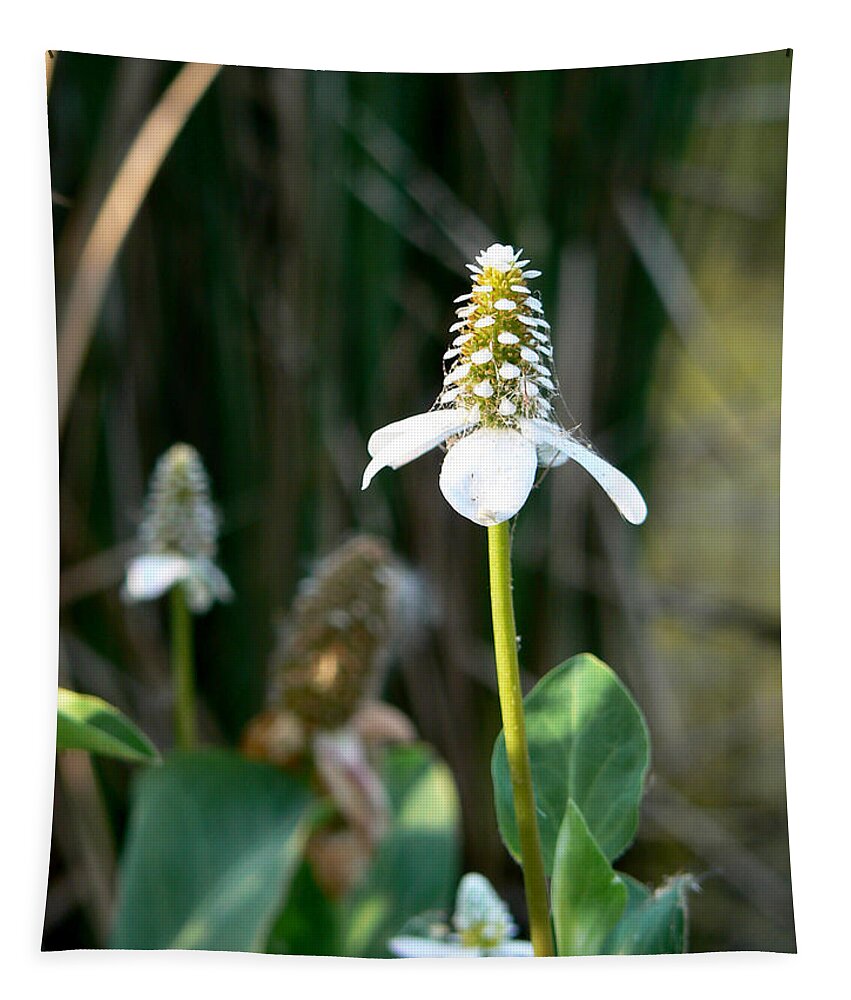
183 673
517 749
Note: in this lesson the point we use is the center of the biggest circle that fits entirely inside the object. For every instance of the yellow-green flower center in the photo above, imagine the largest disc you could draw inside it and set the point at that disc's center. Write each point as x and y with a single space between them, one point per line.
500 360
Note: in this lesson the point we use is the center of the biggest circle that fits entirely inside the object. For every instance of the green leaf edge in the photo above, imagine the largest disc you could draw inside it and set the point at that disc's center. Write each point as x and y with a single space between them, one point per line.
76 730
559 889
642 897
500 740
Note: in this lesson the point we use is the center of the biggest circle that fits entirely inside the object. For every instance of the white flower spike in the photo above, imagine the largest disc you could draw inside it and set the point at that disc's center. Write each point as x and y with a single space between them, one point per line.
482 927
178 535
500 426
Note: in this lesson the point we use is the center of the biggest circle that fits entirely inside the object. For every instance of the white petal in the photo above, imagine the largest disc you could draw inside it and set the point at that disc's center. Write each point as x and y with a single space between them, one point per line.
453 352
481 357
508 338
497 255
484 321
488 475
205 583
528 320
458 341
505 304
458 372
484 389
405 440
620 489
449 395
522 289
484 288
532 274
507 370
456 326
479 906
521 263
464 297
534 304
219 583
512 949
507 408
527 354
148 576
547 383
421 947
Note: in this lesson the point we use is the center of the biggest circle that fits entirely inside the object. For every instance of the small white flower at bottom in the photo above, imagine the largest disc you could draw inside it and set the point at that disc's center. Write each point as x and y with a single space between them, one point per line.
482 927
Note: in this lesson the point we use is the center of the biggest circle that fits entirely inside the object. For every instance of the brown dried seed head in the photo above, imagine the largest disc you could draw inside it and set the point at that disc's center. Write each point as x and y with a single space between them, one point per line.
339 633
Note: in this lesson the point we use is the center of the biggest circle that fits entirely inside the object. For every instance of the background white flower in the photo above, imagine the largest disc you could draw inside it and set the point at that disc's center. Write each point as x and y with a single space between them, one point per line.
496 412
178 536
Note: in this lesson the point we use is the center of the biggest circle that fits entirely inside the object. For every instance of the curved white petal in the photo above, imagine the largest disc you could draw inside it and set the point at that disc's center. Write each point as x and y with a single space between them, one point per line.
148 576
403 441
217 580
621 490
488 475
422 947
512 949
205 583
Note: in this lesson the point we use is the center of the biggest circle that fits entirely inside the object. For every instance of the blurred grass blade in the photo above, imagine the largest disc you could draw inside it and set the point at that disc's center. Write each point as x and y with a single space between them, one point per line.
116 215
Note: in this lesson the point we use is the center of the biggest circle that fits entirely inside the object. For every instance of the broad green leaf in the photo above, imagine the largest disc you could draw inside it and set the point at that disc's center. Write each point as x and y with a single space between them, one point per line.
212 845
654 924
417 865
588 896
308 923
587 742
637 892
84 722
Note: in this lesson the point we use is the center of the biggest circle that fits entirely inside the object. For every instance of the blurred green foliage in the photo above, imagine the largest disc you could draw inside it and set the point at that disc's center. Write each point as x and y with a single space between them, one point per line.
286 289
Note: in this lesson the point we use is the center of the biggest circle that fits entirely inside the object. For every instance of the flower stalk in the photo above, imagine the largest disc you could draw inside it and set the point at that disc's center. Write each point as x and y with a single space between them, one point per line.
517 749
183 670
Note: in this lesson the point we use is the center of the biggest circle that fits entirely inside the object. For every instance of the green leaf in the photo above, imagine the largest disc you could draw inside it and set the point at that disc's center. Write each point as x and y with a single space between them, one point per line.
588 896
212 845
84 722
417 865
637 892
588 742
654 924
308 923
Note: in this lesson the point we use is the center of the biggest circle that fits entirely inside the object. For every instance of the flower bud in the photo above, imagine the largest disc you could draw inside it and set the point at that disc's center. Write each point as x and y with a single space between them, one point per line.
348 616
179 515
